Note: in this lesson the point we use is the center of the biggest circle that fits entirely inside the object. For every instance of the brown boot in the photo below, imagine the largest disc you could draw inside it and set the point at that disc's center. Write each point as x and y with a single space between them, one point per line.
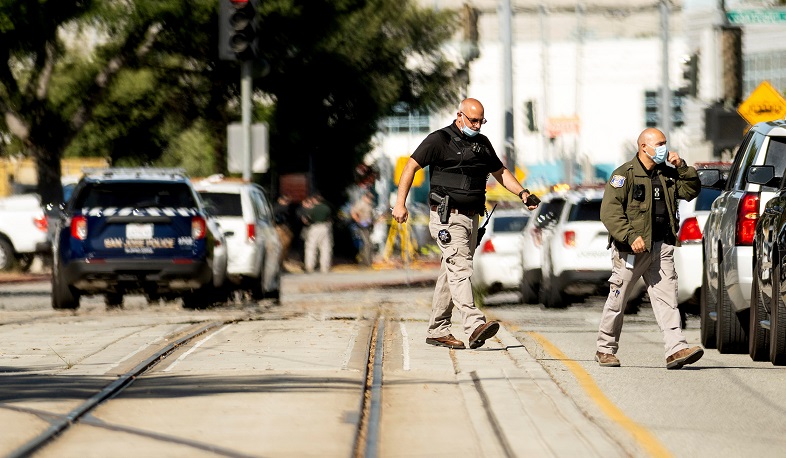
446 341
606 359
683 357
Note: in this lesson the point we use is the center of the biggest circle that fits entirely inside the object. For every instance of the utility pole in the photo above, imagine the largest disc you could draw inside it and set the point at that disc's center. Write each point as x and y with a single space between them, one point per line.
507 72
665 90
245 114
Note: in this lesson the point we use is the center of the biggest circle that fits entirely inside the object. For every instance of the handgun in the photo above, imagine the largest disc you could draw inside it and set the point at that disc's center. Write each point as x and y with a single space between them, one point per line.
532 200
443 208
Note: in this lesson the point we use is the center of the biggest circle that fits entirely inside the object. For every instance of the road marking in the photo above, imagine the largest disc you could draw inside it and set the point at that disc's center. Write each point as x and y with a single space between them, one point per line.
191 350
350 346
641 434
404 345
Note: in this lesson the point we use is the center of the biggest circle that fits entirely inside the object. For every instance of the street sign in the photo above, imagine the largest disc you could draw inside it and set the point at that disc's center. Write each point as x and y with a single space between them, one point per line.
757 16
260 156
764 104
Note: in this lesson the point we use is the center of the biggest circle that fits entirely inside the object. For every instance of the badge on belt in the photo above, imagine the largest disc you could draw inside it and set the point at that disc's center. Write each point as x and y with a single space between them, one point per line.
443 236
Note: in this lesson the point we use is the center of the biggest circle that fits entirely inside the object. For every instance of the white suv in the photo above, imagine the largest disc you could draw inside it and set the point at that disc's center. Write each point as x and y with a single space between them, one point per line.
246 219
574 255
541 221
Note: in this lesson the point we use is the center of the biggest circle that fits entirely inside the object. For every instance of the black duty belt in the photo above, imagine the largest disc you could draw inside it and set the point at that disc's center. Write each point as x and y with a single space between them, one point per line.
459 211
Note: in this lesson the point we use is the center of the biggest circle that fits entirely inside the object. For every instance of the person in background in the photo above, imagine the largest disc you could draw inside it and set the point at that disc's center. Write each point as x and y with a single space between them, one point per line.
281 214
319 233
362 213
639 209
460 159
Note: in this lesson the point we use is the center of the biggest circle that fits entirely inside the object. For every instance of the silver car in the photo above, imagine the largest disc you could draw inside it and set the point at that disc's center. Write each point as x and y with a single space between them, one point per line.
728 239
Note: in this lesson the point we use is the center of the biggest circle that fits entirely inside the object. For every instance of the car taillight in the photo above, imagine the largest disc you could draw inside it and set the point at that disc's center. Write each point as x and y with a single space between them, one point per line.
690 230
79 227
41 223
488 247
251 232
747 216
569 238
198 228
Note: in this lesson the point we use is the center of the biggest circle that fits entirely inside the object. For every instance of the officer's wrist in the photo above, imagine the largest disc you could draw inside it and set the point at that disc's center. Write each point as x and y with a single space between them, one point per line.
522 192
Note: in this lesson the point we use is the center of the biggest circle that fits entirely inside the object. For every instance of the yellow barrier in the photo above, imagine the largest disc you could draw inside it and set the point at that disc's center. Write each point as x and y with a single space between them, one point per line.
23 171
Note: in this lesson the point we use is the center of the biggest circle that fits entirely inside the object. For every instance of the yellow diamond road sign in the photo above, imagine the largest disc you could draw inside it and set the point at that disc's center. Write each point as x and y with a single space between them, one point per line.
764 104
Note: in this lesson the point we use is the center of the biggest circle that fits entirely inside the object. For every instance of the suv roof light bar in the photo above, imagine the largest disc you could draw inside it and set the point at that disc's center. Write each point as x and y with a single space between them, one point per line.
138 171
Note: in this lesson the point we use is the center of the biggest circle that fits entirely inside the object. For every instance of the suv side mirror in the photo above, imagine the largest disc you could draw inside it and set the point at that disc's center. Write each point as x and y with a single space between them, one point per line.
711 178
763 175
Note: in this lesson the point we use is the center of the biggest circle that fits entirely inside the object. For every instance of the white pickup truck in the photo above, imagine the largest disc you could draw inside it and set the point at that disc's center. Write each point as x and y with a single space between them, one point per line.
23 231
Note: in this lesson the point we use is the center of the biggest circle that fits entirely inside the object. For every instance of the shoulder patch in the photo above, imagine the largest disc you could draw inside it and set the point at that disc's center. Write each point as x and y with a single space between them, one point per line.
617 181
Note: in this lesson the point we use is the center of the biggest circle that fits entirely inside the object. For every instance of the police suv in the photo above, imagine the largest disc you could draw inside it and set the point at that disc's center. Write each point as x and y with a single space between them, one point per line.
136 230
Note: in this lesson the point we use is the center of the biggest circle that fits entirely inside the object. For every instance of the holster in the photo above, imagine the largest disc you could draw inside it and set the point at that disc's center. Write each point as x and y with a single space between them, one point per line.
443 207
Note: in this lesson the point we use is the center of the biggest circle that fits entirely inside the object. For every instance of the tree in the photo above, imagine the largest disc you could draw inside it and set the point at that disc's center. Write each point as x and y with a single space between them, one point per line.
140 81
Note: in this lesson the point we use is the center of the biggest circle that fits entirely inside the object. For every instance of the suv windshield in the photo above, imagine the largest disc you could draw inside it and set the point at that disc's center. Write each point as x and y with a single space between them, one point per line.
585 210
222 203
137 195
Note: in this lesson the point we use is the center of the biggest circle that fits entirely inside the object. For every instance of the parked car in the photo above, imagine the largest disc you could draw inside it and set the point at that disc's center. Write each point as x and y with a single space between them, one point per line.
767 321
496 262
137 230
729 237
541 220
246 218
574 256
693 216
23 231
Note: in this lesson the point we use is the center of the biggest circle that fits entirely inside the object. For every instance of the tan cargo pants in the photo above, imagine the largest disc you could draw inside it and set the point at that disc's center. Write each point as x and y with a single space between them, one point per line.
319 238
657 270
453 286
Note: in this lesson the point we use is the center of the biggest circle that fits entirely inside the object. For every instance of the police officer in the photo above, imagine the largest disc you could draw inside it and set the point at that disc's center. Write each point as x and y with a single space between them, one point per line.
639 210
460 159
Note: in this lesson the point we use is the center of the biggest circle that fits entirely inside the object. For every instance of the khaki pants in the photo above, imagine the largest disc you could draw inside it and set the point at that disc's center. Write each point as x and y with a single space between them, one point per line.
453 286
319 238
657 270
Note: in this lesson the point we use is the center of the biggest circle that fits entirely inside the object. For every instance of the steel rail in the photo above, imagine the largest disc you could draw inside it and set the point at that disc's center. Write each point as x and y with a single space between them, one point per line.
111 390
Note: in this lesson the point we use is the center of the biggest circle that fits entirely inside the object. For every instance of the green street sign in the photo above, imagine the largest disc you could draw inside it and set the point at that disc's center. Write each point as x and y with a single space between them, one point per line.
758 16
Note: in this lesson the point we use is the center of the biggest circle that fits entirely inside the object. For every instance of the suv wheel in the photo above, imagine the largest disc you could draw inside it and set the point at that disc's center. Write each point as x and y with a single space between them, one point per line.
554 297
7 259
758 337
777 318
529 293
731 338
707 306
62 295
113 300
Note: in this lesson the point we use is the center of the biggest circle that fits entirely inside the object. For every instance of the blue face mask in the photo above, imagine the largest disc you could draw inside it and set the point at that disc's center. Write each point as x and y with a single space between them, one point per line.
660 154
469 132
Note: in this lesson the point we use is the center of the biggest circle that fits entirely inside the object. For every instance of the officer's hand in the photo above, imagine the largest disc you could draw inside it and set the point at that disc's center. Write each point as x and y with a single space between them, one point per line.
400 213
638 245
674 159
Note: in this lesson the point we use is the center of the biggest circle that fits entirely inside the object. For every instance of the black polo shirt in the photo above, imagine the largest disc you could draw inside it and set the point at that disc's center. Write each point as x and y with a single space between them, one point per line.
438 150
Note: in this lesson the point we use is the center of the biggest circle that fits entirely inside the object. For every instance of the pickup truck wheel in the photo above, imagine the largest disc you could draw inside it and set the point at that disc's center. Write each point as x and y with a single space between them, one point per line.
731 338
777 318
63 297
707 303
7 258
758 337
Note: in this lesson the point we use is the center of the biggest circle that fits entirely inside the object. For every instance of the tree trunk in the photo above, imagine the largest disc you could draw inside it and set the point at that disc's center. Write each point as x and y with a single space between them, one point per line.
47 161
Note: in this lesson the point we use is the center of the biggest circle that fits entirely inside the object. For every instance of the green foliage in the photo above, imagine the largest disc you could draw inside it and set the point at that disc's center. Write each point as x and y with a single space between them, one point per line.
140 81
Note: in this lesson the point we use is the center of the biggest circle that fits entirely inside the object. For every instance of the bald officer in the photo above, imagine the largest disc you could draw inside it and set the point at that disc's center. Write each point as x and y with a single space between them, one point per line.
460 160
640 211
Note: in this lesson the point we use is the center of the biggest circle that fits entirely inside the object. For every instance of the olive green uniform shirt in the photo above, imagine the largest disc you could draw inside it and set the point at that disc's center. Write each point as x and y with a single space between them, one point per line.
627 217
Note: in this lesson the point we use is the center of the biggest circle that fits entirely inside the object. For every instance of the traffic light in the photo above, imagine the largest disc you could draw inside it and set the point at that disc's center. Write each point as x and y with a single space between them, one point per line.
690 72
530 112
237 29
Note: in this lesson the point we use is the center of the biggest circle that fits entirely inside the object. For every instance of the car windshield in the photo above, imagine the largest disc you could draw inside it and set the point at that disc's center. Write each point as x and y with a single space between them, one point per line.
136 195
705 199
510 223
222 203
585 210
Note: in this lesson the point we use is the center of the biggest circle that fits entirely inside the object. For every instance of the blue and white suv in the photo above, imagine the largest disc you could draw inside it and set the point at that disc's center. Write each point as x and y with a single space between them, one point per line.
139 230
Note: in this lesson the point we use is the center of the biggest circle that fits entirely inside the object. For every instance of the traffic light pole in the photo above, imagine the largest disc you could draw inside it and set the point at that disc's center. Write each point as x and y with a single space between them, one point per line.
245 113
665 90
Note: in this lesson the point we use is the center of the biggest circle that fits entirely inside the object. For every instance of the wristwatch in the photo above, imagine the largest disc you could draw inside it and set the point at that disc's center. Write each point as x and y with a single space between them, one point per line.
523 191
